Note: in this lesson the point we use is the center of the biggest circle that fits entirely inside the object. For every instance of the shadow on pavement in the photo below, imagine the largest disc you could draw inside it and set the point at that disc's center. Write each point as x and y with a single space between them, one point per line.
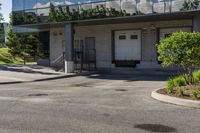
39 80
29 69
130 77
156 128
126 77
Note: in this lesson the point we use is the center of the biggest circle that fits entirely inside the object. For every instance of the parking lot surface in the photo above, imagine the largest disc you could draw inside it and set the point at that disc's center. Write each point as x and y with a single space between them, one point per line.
93 103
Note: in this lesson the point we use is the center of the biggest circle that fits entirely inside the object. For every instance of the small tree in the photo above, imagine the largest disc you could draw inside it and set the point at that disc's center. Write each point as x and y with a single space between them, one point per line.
30 45
1 28
13 41
183 50
191 5
23 44
1 16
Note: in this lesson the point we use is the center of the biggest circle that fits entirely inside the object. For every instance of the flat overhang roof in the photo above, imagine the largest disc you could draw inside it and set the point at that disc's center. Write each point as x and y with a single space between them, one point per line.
117 20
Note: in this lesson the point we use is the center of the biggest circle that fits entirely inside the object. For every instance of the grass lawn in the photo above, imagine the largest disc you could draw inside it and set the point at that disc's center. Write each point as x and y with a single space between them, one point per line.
6 57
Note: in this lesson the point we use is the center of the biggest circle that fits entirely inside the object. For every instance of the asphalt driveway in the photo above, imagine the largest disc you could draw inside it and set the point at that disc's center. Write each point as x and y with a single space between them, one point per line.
93 103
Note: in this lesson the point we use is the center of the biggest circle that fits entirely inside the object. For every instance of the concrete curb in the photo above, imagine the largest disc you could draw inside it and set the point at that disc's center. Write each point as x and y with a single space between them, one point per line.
175 100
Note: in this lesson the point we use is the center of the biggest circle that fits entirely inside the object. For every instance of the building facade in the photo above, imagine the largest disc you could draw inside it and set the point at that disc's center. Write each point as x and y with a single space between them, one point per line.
107 34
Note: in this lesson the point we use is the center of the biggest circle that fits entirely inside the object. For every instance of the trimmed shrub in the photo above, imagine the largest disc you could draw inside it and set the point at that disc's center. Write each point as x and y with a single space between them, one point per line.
170 86
179 81
195 93
172 83
196 76
181 49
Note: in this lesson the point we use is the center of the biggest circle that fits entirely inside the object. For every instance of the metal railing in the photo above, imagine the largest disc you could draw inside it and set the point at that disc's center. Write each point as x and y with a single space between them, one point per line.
101 9
59 61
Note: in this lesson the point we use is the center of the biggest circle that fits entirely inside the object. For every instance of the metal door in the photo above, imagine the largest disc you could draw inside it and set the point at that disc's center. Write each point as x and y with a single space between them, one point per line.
85 54
128 45
90 53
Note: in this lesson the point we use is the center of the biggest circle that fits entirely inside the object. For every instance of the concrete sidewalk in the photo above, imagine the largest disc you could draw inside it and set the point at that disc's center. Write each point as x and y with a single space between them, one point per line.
11 73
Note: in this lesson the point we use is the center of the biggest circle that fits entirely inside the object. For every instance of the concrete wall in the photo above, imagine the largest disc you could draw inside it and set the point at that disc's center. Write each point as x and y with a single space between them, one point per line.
149 53
196 23
56 45
103 35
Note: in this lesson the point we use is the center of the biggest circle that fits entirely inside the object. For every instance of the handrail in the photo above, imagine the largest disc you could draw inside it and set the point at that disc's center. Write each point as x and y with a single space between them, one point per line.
58 60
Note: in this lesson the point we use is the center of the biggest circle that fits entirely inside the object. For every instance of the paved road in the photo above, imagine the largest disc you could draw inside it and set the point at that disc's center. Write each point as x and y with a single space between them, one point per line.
91 104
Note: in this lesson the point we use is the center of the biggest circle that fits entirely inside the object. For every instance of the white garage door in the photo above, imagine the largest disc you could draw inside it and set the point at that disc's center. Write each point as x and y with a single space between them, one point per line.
128 45
166 32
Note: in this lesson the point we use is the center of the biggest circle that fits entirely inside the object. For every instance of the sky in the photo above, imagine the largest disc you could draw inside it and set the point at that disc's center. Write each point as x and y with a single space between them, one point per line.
6 9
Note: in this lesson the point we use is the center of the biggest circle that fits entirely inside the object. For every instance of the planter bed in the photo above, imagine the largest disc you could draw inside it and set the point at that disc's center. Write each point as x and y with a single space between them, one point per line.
187 90
162 95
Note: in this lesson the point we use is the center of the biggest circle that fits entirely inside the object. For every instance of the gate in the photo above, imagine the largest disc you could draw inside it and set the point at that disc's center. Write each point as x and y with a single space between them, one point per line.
85 55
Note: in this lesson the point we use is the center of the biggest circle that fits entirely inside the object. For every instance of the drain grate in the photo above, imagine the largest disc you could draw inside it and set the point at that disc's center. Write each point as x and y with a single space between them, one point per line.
121 90
156 128
37 95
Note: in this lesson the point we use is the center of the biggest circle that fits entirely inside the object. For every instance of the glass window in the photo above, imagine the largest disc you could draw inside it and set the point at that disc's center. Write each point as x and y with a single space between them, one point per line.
69 2
30 17
30 4
43 3
134 36
42 15
18 5
122 37
81 1
18 18
58 2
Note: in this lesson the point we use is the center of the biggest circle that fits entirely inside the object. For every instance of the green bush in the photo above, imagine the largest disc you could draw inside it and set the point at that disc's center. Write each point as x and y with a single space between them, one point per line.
7 58
179 81
172 83
181 49
195 93
196 76
170 86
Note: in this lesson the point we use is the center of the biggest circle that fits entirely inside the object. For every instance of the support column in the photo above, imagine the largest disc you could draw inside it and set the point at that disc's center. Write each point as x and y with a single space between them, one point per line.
196 23
69 40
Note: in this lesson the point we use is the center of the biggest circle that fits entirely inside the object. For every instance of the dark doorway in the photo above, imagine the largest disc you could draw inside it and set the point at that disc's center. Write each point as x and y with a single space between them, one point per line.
90 51
44 39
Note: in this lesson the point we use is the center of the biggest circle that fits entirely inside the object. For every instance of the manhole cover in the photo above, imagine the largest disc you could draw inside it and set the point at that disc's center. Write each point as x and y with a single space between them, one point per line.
121 90
37 95
155 128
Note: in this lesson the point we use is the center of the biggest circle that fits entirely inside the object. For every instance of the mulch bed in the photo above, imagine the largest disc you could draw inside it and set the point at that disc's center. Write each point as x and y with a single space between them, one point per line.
187 91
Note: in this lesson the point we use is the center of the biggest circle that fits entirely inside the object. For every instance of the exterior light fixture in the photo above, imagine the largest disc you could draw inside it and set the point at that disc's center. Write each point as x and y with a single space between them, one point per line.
60 33
144 30
152 28
55 33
